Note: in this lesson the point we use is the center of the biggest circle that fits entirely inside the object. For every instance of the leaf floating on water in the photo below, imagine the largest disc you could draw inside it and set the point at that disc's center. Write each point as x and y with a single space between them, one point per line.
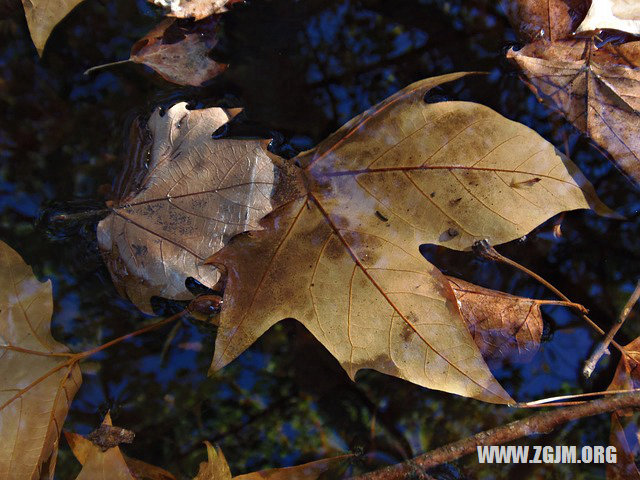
595 89
439 173
185 61
502 325
43 16
36 384
195 194
621 15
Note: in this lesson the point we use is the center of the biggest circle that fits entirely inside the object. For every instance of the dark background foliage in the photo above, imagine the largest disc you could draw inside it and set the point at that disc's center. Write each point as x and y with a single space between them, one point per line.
300 69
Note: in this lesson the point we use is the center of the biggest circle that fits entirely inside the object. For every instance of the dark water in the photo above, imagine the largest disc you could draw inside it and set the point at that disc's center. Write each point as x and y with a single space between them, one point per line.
300 68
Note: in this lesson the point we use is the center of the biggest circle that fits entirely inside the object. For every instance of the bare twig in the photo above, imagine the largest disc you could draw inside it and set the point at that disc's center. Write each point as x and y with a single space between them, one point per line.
485 249
603 347
543 422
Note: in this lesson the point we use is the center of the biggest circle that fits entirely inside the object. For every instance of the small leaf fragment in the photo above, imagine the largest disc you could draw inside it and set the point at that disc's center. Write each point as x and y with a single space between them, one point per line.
197 9
216 466
100 462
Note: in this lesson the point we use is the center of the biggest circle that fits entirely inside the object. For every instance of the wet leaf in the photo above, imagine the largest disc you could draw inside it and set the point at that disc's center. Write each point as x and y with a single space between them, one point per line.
546 19
621 15
195 193
624 424
597 90
194 8
101 461
503 326
344 260
43 16
180 53
37 384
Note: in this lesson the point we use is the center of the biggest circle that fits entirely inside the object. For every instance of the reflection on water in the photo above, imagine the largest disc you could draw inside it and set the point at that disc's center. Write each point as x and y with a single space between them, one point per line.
301 69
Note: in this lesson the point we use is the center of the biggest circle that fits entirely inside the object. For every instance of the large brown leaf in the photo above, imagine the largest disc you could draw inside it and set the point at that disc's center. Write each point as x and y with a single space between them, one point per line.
503 326
344 261
43 16
36 384
196 193
597 90
546 19
621 15
180 53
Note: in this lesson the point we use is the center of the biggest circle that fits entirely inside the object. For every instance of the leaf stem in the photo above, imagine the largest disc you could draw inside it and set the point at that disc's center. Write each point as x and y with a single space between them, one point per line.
106 65
148 328
603 347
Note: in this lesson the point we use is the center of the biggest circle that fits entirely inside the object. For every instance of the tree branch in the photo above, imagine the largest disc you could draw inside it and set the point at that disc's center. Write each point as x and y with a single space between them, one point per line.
603 347
543 422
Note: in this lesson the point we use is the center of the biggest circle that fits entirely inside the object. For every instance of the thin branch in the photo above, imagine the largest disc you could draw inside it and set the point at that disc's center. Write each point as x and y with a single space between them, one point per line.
539 423
485 249
603 347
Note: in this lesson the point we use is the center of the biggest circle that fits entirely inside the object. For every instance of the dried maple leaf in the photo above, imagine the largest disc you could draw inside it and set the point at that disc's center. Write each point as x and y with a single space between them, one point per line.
546 19
624 424
343 259
194 8
502 325
621 15
179 53
196 193
43 16
36 383
99 462
595 89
